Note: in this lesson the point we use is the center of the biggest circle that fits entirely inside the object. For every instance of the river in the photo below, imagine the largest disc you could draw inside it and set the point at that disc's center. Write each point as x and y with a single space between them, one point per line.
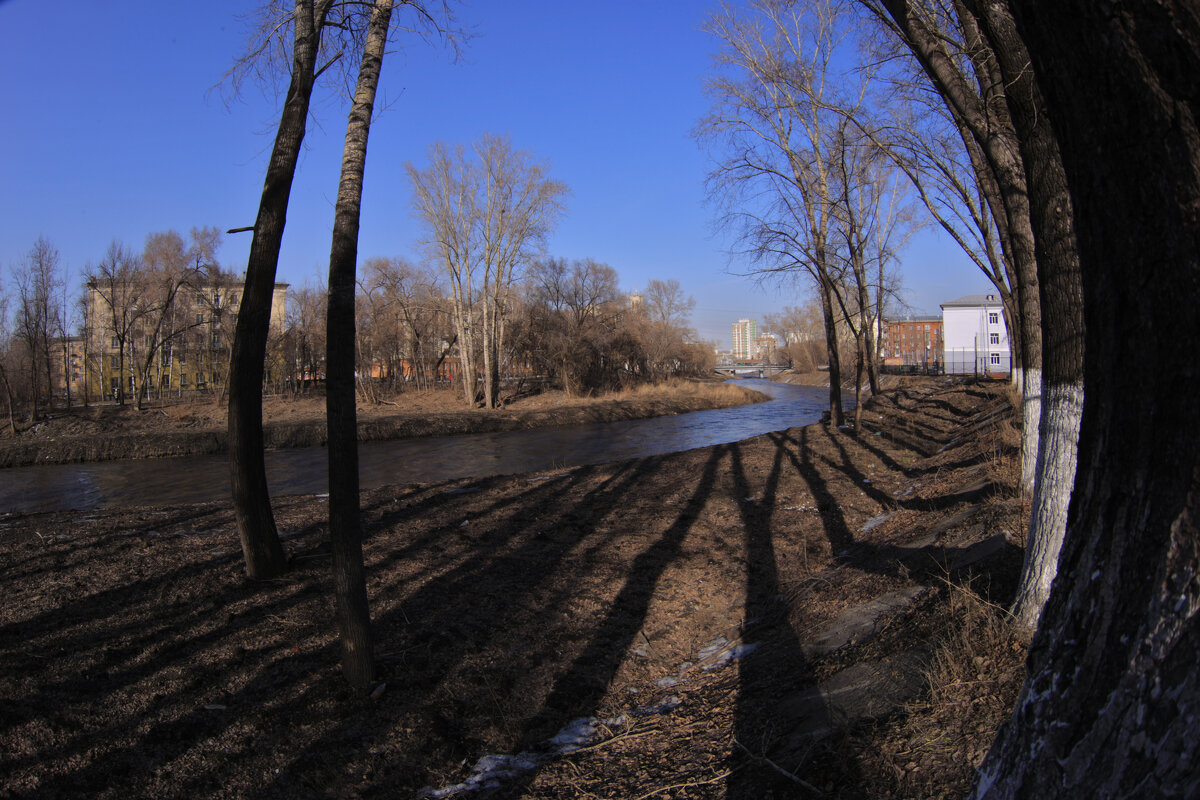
303 470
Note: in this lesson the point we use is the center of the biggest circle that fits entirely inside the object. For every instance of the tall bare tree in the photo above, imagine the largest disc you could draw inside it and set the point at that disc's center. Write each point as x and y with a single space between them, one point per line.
115 284
345 523
519 205
485 214
305 21
950 50
780 93
999 102
39 315
1112 695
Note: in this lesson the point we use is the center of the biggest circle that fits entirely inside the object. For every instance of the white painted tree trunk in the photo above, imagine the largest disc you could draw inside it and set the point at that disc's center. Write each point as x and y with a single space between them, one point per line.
1031 416
1056 461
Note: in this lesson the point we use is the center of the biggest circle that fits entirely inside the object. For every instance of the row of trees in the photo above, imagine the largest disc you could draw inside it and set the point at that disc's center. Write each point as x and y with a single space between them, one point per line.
128 327
1041 139
566 324
831 117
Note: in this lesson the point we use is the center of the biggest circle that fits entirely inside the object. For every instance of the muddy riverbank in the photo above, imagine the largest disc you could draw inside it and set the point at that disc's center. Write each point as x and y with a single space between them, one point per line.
109 432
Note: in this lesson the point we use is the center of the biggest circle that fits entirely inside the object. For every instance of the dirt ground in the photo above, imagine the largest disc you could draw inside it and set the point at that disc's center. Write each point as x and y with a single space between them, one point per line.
803 614
198 427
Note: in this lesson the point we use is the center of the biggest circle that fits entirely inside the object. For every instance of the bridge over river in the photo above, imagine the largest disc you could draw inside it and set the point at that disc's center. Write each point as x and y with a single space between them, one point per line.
749 370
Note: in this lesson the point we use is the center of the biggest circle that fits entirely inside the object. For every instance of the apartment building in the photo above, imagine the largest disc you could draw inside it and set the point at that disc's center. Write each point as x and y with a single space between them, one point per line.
163 339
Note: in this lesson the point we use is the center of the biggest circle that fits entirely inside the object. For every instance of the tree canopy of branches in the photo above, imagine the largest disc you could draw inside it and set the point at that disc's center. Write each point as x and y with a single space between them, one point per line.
791 171
486 213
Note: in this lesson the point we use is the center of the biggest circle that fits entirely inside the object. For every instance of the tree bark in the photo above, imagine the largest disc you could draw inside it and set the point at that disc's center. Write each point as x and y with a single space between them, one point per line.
1061 301
1112 696
248 473
345 523
836 415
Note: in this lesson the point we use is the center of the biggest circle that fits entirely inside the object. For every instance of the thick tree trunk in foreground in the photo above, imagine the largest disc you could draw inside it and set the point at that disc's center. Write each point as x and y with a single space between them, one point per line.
1113 694
248 473
345 522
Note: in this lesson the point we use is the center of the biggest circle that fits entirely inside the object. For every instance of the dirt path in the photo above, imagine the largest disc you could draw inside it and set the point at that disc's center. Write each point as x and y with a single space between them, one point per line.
742 621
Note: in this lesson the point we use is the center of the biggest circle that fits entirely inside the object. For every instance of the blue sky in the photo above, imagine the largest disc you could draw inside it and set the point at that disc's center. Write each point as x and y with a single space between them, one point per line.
111 129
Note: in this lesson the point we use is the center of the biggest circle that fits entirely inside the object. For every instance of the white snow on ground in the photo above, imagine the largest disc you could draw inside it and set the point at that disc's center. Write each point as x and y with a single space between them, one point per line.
491 771
875 522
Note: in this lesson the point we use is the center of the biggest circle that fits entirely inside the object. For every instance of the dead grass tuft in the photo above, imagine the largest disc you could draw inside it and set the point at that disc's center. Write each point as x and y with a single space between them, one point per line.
974 678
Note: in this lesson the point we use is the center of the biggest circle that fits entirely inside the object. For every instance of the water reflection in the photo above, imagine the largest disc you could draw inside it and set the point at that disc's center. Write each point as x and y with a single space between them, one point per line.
303 471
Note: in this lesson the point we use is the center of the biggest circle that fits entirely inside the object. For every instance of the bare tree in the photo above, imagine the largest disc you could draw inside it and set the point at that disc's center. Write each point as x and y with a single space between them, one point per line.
987 85
38 317
263 554
1112 693
779 78
115 290
485 216
345 523
444 201
665 334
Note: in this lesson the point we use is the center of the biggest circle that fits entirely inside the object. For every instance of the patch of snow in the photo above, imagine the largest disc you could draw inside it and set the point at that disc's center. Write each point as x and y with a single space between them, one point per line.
576 734
874 523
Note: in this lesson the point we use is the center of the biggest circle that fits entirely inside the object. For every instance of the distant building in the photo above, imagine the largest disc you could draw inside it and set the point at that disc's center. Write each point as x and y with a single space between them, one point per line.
137 345
915 341
764 345
745 331
975 335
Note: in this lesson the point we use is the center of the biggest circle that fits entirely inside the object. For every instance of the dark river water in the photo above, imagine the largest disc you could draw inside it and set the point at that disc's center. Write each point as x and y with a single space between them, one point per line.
303 470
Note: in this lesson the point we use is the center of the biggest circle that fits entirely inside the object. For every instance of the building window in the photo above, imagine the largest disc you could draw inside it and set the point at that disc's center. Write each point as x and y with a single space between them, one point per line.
115 342
994 338
166 381
115 362
995 359
993 318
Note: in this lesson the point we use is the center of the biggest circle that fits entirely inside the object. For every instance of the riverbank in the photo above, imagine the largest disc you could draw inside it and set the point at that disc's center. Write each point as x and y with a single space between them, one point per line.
804 608
110 432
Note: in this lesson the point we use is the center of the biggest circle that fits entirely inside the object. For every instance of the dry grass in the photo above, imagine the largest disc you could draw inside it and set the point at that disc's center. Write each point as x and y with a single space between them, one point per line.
974 677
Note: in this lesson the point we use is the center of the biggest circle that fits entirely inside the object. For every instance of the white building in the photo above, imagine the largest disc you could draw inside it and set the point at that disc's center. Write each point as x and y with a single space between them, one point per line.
745 331
975 336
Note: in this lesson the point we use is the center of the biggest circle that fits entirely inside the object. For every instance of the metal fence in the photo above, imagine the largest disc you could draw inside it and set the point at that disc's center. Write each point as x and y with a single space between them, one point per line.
971 361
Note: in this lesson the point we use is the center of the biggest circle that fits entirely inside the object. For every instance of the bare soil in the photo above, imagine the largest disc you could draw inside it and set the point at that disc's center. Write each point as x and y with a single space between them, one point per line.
685 607
198 427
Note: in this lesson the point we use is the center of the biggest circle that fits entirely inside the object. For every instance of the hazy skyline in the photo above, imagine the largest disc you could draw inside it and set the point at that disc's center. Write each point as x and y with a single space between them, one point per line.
113 129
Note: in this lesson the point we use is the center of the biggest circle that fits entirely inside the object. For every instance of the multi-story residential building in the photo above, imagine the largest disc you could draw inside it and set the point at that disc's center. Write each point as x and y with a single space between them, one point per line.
745 331
915 341
169 338
764 345
976 336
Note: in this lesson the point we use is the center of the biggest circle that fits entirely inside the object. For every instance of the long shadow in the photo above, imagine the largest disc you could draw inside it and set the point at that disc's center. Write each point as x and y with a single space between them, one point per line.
578 690
501 586
768 674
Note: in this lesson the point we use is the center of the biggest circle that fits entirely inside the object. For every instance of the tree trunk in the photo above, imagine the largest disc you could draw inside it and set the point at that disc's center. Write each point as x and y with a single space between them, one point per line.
345 523
984 119
1113 693
1061 294
248 473
836 415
